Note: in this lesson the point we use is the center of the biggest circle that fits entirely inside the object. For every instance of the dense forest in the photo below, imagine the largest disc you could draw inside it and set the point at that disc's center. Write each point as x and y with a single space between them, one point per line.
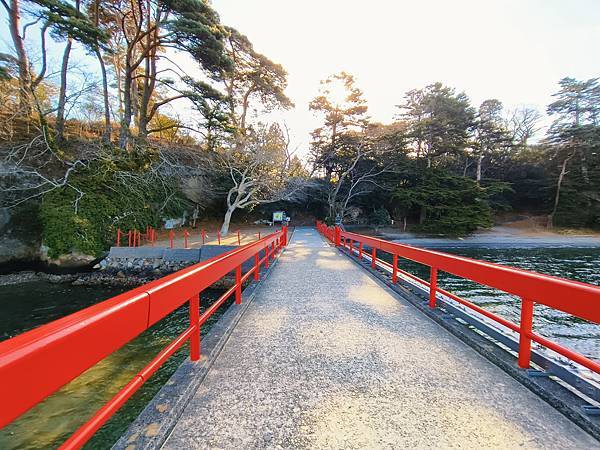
127 135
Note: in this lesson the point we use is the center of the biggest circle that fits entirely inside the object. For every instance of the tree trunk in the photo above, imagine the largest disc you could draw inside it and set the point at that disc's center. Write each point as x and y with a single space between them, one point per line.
126 119
107 125
561 177
479 164
227 220
422 215
62 94
22 60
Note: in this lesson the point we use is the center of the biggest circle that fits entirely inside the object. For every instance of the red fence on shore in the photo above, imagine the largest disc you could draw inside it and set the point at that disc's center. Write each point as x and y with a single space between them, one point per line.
37 363
135 238
572 297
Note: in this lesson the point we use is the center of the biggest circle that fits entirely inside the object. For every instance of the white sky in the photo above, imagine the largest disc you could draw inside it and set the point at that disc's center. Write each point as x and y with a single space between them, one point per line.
513 50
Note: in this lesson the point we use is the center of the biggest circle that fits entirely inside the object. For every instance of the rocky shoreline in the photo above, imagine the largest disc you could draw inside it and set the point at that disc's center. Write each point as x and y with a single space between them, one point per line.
97 278
134 273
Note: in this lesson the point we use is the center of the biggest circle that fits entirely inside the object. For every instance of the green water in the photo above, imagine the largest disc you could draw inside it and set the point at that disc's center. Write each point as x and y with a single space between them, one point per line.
581 264
25 306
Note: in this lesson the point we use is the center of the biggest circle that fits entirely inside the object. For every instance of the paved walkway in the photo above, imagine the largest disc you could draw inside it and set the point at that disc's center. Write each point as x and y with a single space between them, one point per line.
325 357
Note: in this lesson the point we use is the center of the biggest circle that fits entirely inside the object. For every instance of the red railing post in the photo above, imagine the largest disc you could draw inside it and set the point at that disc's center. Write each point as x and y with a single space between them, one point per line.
394 269
194 323
238 285
171 235
272 251
360 251
239 240
256 267
526 327
432 287
373 258
118 237
337 233
351 247
267 256
185 238
285 230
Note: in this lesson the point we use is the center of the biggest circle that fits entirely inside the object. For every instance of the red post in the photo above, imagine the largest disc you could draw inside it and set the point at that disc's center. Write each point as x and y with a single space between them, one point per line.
432 287
351 247
394 269
373 258
194 319
256 267
219 237
139 233
203 236
360 251
239 240
129 239
118 237
185 238
337 234
152 236
267 257
272 251
525 333
171 233
238 285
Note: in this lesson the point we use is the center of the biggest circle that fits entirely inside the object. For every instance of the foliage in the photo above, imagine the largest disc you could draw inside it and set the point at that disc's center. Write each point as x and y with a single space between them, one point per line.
116 193
448 204
440 121
380 217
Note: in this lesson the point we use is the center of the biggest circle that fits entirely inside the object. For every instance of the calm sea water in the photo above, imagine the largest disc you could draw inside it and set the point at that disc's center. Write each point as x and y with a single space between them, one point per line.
580 264
25 306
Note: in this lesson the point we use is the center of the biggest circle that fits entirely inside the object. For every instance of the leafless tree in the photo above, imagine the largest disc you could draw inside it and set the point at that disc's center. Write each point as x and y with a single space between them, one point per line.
523 123
260 172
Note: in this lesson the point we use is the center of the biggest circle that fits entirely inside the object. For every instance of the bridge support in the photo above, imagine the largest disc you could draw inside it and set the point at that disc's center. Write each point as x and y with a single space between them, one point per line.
195 324
525 333
432 287
238 285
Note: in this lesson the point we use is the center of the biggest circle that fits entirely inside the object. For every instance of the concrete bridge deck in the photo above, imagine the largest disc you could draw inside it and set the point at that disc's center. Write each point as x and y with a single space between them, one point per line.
327 357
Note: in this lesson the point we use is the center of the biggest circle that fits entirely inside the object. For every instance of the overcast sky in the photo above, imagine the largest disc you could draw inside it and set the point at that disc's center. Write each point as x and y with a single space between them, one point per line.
512 50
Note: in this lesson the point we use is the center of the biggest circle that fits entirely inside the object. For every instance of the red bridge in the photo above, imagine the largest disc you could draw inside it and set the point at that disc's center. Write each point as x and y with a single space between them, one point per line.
330 343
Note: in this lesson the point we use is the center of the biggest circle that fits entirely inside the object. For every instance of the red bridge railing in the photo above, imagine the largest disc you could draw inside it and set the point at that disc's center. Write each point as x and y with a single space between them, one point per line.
37 363
577 299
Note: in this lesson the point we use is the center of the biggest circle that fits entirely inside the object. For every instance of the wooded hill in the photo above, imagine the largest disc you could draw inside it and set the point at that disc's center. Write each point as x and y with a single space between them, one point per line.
125 136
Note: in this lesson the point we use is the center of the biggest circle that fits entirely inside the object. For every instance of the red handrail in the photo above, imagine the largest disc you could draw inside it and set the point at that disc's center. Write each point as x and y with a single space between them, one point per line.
572 297
67 347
